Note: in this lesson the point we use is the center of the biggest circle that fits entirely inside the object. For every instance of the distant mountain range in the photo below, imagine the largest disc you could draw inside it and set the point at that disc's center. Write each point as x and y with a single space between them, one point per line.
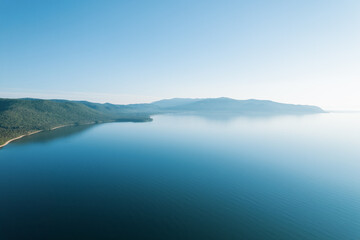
23 116
220 105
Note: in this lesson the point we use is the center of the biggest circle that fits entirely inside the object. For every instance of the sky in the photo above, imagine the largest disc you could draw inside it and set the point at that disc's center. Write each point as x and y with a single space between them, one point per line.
302 52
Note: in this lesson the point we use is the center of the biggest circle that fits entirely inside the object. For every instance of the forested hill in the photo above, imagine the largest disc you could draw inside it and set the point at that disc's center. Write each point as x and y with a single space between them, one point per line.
23 116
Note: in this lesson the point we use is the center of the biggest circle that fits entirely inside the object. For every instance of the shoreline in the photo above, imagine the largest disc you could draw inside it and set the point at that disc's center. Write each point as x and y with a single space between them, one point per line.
67 125
31 133
19 137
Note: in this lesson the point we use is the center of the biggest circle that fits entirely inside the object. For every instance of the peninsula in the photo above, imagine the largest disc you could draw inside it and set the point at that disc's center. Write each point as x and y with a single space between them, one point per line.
22 117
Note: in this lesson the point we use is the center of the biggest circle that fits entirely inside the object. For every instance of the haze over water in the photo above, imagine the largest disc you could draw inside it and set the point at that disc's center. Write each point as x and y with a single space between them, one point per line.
186 177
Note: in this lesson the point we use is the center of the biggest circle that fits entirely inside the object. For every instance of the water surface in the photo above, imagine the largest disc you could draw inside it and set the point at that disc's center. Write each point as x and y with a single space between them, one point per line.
186 177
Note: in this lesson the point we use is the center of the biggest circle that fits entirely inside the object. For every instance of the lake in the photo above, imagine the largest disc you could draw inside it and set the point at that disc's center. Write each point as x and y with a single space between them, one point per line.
186 177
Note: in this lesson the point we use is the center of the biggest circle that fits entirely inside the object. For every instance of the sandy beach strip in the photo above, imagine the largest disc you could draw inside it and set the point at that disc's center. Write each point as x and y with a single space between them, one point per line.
13 139
31 133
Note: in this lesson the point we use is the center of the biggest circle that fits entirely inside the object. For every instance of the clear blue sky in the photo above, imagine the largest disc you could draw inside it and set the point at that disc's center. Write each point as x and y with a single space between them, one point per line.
305 51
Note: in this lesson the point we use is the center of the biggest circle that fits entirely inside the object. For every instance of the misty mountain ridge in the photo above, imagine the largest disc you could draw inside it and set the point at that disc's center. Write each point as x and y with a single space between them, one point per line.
224 104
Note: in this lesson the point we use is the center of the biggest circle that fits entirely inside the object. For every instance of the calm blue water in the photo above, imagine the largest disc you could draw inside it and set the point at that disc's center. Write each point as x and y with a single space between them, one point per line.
186 177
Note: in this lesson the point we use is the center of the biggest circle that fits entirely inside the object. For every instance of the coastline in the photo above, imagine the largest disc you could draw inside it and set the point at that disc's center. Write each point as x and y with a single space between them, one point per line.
16 138
34 132
54 128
